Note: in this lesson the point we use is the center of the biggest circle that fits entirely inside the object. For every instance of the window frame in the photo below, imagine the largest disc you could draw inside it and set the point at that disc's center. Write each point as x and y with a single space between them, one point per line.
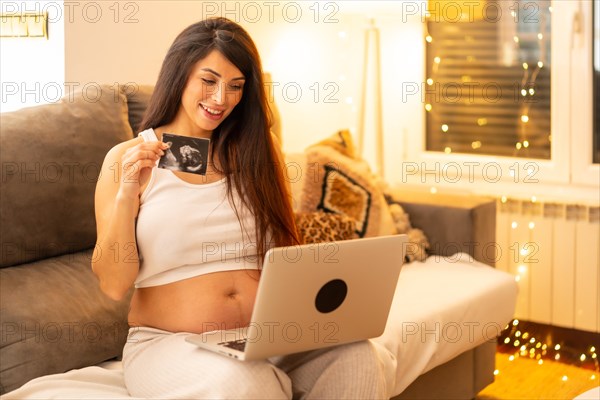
571 129
585 172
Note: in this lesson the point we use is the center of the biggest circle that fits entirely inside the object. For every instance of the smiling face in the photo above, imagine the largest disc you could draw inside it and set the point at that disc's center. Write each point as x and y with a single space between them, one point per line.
213 89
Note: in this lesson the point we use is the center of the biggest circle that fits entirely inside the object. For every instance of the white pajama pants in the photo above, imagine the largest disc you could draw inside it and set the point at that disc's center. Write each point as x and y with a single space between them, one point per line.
161 364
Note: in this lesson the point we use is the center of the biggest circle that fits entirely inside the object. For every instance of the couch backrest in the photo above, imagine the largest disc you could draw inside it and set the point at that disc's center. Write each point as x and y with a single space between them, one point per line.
138 97
50 161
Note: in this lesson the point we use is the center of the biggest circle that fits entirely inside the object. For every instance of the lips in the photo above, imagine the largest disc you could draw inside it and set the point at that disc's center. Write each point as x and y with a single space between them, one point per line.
212 110
212 113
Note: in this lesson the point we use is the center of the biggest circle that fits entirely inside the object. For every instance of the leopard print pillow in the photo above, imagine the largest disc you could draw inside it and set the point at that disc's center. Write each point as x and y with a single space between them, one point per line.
320 227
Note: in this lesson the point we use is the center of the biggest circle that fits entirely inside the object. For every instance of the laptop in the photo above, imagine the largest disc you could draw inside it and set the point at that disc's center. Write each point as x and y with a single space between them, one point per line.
316 295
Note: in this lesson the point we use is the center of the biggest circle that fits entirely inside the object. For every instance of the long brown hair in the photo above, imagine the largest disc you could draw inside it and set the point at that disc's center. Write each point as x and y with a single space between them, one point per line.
243 141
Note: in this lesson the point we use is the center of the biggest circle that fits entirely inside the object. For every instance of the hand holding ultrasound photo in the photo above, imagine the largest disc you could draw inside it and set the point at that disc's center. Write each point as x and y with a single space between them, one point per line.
185 154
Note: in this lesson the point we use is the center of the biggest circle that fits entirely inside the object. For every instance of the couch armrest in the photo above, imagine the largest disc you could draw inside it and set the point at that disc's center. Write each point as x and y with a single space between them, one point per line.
453 223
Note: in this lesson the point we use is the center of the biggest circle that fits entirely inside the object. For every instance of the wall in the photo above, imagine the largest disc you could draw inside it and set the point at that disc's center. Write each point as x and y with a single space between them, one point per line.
314 52
329 56
109 42
33 68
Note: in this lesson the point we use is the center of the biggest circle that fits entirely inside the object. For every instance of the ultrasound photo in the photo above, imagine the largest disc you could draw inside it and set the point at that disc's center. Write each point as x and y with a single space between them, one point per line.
185 153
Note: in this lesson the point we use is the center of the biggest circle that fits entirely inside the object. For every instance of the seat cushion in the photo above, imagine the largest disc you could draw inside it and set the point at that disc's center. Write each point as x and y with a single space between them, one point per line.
55 318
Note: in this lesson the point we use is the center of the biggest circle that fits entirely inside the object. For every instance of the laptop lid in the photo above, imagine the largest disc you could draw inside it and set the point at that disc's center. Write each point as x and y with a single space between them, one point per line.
319 295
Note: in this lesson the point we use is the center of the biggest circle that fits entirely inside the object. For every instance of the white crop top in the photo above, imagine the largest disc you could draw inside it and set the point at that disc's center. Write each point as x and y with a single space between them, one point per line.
185 230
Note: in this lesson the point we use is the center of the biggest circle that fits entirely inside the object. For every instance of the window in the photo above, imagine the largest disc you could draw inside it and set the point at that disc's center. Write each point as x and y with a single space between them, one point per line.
488 77
508 97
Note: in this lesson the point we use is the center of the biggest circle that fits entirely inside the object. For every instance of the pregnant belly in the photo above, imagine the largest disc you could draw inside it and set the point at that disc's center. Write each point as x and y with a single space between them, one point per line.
221 300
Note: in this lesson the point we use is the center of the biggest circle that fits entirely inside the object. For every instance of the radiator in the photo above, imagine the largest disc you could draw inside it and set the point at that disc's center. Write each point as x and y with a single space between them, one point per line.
553 250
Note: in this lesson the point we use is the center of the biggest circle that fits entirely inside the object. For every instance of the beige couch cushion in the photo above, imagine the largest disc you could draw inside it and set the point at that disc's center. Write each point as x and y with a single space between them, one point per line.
51 157
138 97
55 318
335 180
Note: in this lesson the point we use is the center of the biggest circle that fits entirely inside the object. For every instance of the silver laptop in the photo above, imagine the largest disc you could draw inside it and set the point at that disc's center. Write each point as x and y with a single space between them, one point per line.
314 296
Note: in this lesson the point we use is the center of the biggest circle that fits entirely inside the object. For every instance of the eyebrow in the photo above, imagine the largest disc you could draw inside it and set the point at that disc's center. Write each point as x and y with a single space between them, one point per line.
241 78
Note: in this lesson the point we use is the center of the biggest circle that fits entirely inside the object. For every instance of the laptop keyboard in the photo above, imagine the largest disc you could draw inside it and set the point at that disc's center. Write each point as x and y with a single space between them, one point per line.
239 344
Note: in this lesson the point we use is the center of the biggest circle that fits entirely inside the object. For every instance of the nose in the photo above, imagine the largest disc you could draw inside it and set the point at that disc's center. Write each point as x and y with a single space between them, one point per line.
218 94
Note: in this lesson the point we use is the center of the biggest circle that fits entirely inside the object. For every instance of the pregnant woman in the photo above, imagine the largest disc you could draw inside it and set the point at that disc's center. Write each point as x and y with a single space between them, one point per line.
192 245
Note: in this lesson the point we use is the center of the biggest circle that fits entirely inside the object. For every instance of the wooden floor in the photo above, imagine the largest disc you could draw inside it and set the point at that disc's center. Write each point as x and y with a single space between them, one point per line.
525 378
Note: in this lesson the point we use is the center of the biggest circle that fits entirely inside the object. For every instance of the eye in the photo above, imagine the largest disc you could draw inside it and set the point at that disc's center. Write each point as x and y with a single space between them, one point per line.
208 81
236 87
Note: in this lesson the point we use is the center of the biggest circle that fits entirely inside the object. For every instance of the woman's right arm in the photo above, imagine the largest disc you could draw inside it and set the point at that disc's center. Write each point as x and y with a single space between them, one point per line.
125 170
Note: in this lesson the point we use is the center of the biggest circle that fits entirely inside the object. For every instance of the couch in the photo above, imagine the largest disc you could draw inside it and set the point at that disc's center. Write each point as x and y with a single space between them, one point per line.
53 316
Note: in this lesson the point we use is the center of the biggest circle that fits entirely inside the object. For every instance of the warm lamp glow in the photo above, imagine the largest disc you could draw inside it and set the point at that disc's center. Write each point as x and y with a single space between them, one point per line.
456 10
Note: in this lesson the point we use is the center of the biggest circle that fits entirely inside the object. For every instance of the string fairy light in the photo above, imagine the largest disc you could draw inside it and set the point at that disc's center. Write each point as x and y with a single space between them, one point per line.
529 79
437 60
515 335
517 339
525 42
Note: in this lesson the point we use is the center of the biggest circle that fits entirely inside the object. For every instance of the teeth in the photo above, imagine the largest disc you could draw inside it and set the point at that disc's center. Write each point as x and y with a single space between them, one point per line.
210 110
